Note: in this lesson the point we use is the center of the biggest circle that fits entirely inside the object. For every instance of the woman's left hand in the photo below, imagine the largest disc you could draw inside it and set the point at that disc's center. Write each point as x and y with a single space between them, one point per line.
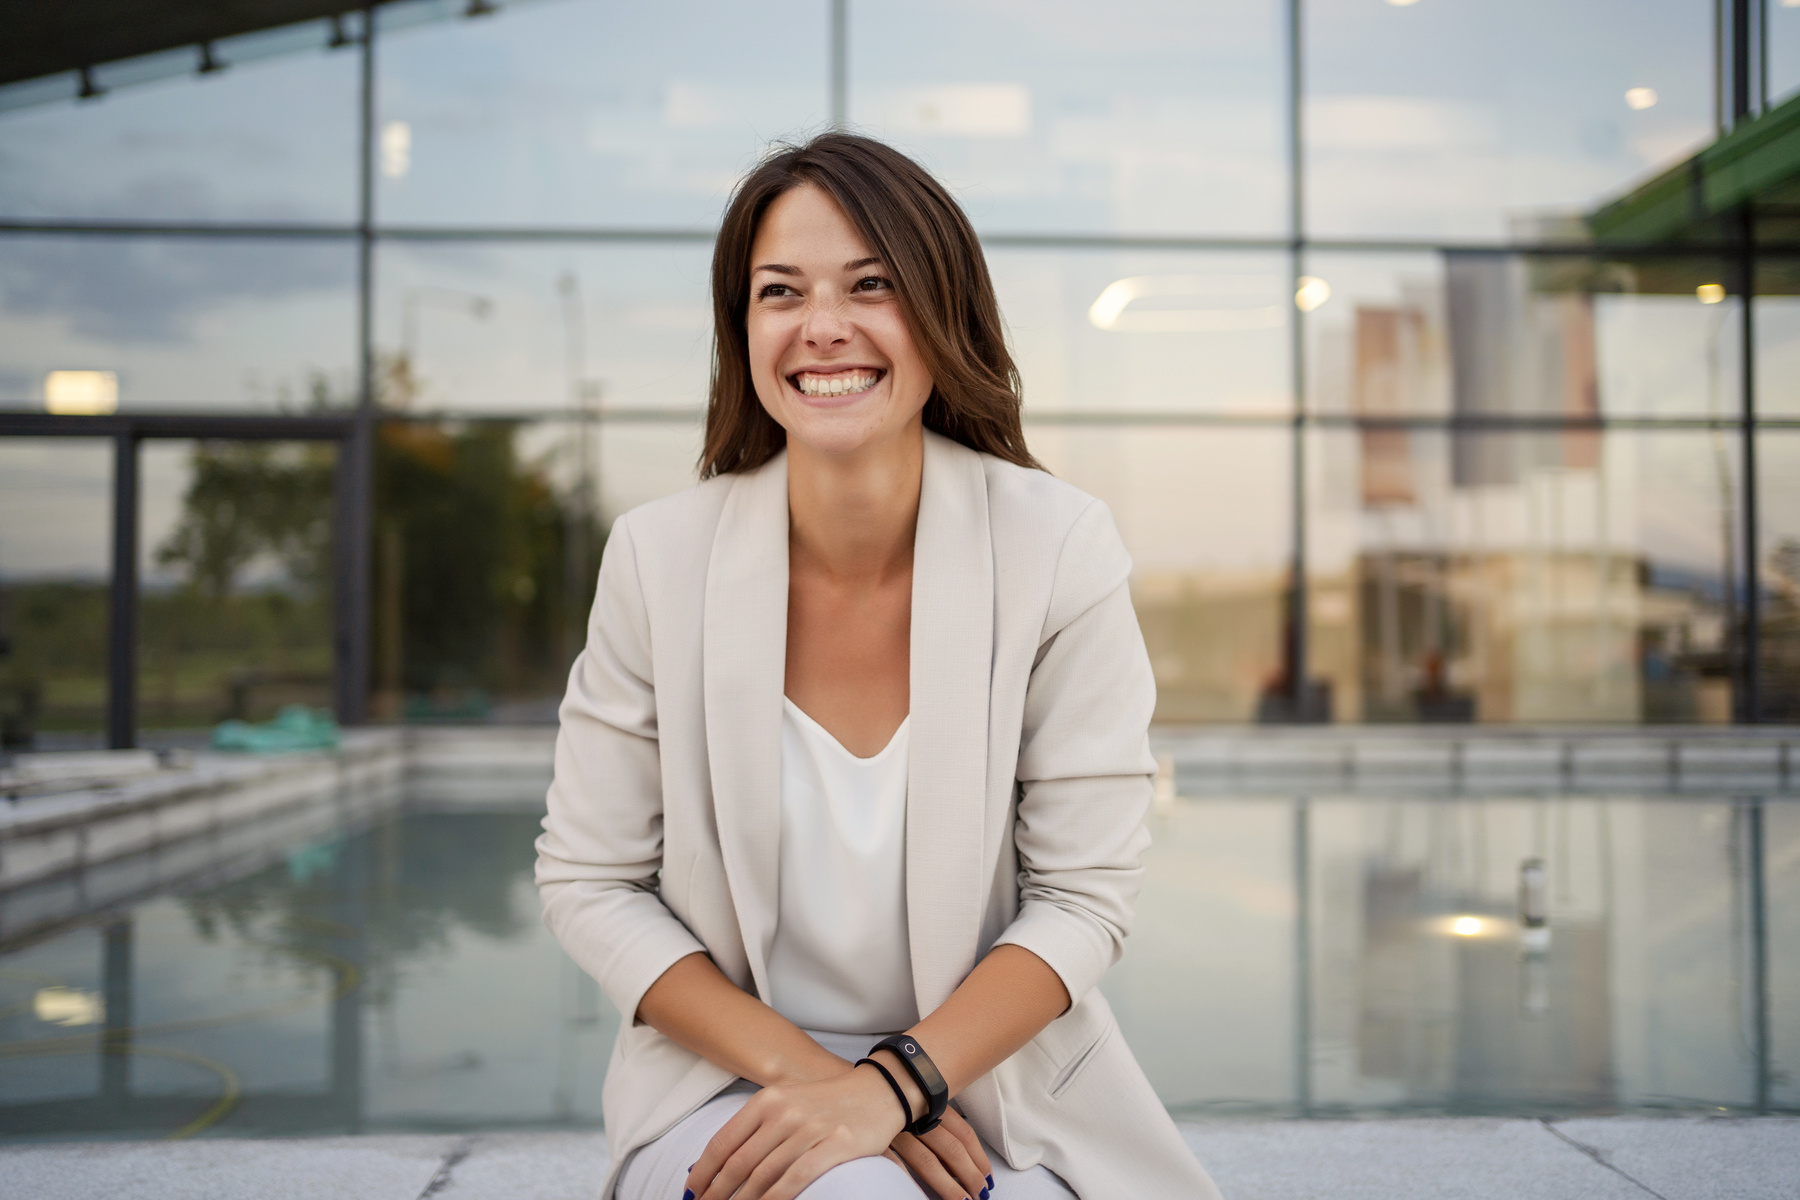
949 1160
788 1135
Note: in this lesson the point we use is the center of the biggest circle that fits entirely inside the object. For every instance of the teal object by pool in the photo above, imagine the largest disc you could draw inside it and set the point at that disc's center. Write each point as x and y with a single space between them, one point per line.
295 727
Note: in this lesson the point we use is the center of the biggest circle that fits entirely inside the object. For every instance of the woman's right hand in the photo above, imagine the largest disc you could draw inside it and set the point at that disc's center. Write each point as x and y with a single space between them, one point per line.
949 1160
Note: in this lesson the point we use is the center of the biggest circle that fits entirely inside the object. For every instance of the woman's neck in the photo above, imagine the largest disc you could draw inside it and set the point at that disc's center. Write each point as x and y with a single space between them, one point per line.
854 516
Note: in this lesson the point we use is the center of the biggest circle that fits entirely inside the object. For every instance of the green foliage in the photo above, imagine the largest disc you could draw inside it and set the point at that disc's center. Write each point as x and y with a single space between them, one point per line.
247 500
472 551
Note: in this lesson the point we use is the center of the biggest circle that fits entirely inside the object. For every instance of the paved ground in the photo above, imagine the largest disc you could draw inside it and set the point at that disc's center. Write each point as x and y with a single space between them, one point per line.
1627 1158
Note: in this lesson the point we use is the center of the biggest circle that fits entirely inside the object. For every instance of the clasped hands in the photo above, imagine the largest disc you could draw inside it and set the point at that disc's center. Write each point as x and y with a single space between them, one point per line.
792 1132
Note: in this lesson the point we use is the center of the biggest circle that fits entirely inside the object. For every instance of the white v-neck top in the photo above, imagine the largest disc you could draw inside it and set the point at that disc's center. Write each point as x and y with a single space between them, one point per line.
841 960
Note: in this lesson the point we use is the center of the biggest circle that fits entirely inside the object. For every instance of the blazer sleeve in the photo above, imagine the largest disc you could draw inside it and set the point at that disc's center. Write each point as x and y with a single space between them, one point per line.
1085 768
600 855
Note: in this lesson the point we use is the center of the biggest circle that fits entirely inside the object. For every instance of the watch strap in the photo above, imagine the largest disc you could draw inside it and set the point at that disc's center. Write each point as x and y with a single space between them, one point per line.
918 1064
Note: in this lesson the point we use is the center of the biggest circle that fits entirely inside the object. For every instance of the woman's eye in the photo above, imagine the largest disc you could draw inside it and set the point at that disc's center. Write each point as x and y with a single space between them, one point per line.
872 283
773 290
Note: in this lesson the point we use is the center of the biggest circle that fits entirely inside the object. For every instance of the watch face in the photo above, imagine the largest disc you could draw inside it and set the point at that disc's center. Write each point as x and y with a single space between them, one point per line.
909 1047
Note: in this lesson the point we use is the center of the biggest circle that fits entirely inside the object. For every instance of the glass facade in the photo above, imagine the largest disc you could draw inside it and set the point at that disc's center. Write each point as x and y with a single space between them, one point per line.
1307 292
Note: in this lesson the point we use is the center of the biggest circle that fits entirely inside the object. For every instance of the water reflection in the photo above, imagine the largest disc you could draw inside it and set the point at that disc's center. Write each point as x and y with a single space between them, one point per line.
385 969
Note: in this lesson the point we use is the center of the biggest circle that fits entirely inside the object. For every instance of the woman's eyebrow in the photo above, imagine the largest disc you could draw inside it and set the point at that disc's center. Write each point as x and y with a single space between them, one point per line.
778 268
860 263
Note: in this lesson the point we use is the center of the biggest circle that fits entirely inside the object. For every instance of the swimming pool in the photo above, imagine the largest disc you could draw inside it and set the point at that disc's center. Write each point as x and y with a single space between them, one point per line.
381 966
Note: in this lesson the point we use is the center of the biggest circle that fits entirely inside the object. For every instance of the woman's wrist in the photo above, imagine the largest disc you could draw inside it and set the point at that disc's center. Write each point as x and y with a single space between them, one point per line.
803 1068
916 1100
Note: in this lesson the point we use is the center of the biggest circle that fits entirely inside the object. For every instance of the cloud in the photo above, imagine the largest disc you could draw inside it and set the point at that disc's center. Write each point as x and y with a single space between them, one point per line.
155 290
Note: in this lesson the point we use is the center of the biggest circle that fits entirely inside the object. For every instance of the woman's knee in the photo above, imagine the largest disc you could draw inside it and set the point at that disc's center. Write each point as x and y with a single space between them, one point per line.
864 1179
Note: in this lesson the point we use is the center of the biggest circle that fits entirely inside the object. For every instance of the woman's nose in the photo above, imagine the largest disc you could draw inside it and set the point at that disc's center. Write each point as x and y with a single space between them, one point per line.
825 324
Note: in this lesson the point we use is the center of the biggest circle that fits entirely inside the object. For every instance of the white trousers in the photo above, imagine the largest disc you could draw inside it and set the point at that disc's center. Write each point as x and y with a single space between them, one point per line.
659 1170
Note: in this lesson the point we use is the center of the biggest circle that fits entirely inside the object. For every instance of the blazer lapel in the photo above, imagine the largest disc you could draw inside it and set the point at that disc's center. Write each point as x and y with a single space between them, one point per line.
952 665
745 665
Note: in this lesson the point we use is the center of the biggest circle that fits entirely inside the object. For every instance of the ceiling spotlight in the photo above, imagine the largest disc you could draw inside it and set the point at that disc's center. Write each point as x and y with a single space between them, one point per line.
1640 97
1466 926
1710 293
1402 3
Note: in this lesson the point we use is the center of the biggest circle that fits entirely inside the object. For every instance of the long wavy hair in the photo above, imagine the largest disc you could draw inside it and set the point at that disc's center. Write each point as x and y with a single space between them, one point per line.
929 249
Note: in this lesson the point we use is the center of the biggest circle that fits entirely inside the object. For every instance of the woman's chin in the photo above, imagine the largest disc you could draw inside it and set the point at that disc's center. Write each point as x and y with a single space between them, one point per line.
843 433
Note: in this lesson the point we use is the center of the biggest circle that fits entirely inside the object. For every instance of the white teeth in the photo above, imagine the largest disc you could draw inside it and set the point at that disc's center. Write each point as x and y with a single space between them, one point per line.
841 384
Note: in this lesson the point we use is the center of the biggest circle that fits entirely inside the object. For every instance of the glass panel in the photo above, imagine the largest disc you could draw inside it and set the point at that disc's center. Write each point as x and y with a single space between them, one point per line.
1777 346
266 139
1523 577
1781 858
499 328
180 323
55 567
1488 335
1094 331
488 536
234 617
588 113
1439 121
1208 591
1784 48
1144 116
1778 527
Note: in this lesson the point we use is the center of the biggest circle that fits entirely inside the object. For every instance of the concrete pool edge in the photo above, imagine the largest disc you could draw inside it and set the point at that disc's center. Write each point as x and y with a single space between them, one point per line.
1627 1157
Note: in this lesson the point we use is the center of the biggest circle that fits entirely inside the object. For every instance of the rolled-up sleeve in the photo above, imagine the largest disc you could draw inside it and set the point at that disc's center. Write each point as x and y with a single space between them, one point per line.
1085 766
601 851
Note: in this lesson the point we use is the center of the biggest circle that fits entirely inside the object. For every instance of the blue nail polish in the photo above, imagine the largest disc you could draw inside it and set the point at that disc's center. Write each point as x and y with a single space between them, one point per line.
687 1194
990 1183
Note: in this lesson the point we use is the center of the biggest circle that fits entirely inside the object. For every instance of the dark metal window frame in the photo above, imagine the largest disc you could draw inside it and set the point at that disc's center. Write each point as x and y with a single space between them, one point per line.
127 432
1737 61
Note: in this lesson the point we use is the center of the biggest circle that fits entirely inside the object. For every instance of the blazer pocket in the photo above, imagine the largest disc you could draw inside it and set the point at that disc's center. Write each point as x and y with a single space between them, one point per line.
1072 1070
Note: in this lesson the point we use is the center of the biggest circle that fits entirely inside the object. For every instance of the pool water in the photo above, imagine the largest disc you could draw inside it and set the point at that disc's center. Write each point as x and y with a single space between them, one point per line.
1292 956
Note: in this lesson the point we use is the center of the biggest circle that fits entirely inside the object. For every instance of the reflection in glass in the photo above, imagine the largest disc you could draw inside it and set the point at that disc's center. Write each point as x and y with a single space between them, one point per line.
1204 513
1777 342
1490 335
505 328
263 139
1451 121
234 611
1784 49
183 323
1506 577
587 113
1148 332
1778 568
55 565
1148 116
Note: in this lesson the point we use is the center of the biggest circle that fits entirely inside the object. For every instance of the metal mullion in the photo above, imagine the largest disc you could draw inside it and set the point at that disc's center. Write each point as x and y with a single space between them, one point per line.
122 613
1297 648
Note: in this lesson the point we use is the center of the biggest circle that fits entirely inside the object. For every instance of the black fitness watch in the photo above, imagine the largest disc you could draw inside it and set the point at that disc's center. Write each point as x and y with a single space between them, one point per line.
918 1064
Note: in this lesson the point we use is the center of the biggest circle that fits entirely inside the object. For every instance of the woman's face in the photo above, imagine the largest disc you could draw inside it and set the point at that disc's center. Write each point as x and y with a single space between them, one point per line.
830 353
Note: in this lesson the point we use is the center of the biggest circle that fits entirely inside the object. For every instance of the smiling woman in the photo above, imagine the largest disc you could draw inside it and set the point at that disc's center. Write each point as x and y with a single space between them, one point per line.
855 886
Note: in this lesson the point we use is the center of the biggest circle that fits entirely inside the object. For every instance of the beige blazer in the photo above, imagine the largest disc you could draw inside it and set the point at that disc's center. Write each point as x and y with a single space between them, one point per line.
1029 779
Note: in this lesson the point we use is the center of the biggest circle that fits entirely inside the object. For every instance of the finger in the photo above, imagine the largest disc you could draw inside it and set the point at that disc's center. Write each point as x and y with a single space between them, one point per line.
722 1145
929 1170
956 1123
807 1168
769 1169
957 1160
760 1158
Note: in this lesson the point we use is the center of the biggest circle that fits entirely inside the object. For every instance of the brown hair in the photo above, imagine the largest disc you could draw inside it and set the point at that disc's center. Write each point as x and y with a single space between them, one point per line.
939 273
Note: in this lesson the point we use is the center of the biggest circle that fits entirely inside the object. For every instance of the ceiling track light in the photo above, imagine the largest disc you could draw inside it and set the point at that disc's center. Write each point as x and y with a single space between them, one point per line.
208 63
89 89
